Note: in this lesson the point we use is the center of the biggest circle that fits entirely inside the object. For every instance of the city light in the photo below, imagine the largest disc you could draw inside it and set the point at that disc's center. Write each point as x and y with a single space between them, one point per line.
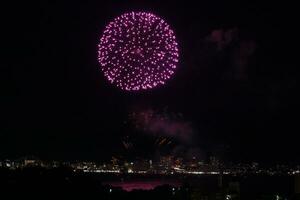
166 165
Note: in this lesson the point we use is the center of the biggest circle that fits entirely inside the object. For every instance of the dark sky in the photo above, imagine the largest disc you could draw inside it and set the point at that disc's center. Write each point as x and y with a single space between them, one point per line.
235 84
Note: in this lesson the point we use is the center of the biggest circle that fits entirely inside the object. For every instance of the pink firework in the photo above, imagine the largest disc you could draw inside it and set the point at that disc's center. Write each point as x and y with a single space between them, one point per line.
138 51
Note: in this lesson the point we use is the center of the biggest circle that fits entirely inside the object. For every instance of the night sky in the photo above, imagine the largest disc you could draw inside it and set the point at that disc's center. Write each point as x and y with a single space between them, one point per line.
234 91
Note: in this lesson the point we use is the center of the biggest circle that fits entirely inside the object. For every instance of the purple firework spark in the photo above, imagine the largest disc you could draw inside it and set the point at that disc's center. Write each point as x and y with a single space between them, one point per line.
138 50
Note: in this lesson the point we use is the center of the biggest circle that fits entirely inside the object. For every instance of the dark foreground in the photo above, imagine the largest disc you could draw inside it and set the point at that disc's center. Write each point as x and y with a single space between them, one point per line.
63 183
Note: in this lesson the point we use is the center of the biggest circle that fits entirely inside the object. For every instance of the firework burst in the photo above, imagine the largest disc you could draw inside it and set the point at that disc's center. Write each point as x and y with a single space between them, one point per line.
138 51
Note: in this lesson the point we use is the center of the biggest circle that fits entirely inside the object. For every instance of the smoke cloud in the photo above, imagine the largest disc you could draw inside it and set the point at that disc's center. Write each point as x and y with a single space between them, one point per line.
163 124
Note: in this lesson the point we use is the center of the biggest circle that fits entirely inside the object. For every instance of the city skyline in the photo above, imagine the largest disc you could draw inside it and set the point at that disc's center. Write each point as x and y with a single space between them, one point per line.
165 165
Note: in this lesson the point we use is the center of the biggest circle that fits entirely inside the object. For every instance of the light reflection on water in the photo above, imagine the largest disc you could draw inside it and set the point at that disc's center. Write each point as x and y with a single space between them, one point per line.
142 185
